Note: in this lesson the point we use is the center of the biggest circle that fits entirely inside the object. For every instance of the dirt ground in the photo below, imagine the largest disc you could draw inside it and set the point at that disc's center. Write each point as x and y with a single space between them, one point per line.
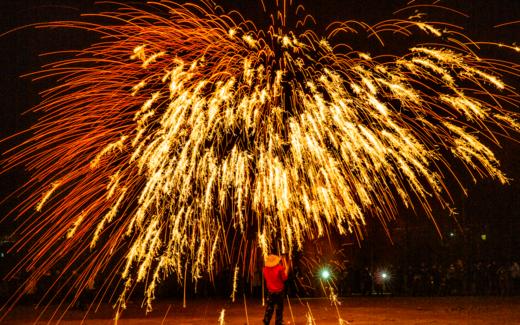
355 310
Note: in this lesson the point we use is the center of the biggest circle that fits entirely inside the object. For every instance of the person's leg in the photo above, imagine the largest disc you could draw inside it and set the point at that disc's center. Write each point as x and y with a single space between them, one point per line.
269 309
279 309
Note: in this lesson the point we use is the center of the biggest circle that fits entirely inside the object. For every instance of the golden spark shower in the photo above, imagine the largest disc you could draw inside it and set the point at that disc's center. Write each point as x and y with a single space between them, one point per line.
188 139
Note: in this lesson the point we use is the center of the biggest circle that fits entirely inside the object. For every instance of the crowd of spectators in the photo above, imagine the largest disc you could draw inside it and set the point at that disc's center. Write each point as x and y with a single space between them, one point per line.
480 278
452 279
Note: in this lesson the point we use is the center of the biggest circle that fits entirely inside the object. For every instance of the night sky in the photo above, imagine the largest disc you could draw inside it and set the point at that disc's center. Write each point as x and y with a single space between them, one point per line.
490 208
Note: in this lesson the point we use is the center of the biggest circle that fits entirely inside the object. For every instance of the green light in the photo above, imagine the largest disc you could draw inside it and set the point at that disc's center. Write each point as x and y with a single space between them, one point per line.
483 236
325 274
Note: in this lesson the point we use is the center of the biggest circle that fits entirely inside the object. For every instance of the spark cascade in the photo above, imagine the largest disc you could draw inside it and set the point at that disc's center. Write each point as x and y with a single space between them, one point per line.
188 138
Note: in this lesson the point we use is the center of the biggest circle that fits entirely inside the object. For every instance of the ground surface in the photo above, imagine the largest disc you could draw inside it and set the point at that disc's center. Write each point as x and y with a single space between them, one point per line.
356 310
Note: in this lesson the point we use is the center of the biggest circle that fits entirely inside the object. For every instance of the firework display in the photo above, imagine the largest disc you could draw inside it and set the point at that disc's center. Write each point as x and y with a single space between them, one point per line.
187 139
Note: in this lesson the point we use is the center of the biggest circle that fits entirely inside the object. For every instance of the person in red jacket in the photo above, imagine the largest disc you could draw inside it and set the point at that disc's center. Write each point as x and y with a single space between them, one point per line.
275 274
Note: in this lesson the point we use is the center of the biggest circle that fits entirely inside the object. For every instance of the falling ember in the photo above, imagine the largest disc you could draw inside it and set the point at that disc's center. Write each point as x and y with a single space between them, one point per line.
46 195
235 283
290 309
188 137
72 230
221 317
309 317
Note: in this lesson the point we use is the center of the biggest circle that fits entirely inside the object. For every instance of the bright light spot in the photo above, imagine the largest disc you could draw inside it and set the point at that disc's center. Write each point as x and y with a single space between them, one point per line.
483 237
325 274
384 275
452 234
